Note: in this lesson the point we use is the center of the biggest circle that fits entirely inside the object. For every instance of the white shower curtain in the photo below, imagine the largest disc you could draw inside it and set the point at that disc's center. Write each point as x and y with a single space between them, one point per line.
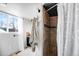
68 29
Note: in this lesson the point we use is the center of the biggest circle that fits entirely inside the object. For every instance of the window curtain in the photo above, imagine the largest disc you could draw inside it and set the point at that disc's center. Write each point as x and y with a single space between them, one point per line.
35 32
68 29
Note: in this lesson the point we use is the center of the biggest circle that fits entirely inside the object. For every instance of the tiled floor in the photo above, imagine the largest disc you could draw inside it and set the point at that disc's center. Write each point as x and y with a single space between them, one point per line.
27 52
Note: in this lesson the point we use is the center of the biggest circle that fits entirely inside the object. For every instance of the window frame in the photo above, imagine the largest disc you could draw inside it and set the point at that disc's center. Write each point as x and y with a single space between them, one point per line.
14 21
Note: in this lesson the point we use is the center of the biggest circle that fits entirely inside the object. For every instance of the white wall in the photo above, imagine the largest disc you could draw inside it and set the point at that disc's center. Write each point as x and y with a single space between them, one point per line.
20 33
40 15
30 10
13 8
8 43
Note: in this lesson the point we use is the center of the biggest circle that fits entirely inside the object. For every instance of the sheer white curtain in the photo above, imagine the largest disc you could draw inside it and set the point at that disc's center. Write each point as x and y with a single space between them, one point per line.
35 32
68 29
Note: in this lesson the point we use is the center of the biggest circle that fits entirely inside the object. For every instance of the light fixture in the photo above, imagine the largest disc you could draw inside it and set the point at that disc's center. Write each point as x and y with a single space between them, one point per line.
3 4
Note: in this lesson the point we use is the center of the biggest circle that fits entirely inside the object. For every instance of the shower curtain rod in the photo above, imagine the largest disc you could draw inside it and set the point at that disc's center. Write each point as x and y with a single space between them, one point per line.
52 7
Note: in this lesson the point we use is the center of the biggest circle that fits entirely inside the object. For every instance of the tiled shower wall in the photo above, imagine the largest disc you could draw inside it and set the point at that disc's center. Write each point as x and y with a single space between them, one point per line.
53 31
50 30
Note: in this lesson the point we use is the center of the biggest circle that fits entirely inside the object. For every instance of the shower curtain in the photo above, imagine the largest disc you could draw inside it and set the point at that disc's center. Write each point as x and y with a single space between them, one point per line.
68 29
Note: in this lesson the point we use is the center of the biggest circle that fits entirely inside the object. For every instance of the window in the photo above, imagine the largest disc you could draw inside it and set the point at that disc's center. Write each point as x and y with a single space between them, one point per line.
3 21
8 23
13 25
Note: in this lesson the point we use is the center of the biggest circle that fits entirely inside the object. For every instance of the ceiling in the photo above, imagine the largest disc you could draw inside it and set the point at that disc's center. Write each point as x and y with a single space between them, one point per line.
25 10
53 11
